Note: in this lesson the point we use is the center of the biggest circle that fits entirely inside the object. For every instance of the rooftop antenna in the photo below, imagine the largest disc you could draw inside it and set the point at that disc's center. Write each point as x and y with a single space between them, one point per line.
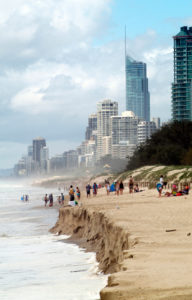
125 43
125 64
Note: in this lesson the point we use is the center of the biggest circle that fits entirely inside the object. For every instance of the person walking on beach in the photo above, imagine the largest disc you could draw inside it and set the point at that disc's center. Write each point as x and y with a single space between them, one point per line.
46 200
121 187
131 183
88 190
107 186
161 180
95 188
117 188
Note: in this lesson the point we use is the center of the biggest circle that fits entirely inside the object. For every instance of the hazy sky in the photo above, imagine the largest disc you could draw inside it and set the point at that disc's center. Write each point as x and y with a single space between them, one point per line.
58 58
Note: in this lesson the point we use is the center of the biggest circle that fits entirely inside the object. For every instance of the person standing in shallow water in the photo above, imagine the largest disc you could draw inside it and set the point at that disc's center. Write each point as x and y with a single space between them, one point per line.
46 200
50 200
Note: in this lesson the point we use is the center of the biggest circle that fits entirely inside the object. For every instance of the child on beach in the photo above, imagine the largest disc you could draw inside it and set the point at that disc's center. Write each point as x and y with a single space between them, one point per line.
159 188
78 193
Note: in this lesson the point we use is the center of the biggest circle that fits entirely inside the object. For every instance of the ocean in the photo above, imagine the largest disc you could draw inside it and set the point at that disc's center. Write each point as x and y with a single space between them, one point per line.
35 264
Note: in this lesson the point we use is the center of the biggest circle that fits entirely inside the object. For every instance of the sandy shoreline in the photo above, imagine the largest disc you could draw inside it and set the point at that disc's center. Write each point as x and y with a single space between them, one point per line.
128 234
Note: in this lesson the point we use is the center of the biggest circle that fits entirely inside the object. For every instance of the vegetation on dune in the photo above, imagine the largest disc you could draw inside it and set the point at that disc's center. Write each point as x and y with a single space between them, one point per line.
171 145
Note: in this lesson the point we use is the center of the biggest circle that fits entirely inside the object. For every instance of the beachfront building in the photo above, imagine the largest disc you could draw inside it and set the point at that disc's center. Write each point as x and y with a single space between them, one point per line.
123 134
92 126
44 157
38 144
145 130
157 122
87 153
105 109
137 94
123 150
182 85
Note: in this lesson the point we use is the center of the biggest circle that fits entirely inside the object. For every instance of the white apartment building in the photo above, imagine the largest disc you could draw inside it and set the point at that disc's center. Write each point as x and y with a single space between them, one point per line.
87 156
123 134
157 122
44 157
123 150
145 130
105 109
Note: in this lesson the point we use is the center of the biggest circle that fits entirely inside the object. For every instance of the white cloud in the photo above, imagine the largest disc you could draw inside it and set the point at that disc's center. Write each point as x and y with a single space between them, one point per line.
52 76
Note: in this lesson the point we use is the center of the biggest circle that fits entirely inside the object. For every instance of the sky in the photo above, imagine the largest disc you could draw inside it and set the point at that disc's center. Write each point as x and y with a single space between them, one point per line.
58 58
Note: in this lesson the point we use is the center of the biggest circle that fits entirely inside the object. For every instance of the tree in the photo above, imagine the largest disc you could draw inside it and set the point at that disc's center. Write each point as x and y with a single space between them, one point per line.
168 146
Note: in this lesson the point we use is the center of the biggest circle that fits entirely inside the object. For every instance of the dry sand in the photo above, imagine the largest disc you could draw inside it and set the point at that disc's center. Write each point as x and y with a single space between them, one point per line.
128 234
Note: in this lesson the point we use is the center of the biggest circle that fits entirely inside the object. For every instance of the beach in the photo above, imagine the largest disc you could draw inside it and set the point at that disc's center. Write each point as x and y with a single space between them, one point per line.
142 241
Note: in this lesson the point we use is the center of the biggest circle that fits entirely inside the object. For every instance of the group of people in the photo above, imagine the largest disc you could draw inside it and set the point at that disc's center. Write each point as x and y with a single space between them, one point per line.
72 199
118 187
89 188
48 199
174 190
25 198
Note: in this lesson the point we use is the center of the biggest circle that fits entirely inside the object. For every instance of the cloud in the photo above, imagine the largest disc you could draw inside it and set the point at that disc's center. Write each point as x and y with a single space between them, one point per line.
52 74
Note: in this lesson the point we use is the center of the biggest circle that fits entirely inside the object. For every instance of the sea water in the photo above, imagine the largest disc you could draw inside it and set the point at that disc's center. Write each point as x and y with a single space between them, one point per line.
35 264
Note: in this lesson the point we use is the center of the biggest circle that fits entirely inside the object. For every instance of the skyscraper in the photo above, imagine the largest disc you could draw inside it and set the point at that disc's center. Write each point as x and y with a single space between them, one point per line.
123 134
182 85
105 109
92 126
124 128
38 143
137 94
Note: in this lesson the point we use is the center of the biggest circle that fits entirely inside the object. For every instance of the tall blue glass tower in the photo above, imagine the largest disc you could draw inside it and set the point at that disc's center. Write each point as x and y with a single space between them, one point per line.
182 85
137 94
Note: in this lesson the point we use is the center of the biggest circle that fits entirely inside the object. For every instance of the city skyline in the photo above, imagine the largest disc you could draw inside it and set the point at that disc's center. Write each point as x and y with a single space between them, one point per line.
55 57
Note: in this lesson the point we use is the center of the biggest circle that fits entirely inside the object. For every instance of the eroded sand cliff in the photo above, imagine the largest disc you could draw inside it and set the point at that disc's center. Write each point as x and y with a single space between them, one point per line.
128 234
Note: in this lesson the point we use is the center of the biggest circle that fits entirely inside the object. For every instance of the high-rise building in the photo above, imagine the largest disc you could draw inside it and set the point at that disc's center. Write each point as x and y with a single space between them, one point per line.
137 94
44 157
105 109
157 122
182 85
92 126
30 151
38 143
145 130
124 134
124 128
